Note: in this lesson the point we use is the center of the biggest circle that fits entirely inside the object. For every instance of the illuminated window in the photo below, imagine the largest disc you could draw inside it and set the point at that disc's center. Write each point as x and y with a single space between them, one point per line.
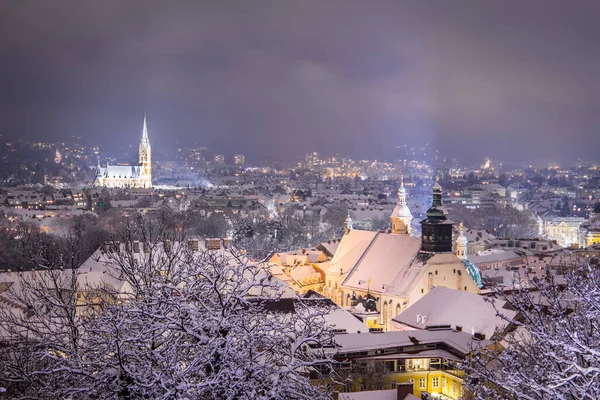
443 383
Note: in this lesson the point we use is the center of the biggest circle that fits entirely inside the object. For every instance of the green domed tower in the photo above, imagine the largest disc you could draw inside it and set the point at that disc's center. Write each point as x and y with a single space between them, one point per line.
436 228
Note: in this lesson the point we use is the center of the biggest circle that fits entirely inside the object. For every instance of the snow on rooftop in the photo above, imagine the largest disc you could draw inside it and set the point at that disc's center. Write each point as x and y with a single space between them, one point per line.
387 257
351 247
339 318
444 306
353 342
391 394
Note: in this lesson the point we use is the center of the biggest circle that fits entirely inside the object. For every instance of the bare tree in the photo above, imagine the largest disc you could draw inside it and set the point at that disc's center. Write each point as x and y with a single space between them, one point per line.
554 352
165 321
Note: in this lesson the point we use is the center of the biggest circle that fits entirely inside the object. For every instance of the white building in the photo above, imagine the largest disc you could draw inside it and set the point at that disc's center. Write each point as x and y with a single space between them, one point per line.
129 176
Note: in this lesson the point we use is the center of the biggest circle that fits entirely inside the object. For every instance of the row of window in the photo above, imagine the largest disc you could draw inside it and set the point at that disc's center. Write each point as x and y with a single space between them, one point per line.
435 384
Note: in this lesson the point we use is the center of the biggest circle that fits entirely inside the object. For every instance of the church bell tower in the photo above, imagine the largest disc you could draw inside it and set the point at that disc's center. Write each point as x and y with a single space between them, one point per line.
145 158
436 228
401 216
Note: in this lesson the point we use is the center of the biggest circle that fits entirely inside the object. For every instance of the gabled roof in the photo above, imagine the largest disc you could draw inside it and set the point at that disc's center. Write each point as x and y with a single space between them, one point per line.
388 257
351 248
444 306
329 247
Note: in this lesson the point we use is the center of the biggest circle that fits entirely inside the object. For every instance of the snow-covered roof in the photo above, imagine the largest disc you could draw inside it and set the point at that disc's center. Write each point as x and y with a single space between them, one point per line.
478 235
391 394
387 257
339 318
412 271
353 342
351 248
444 306
120 171
497 255
98 269
330 246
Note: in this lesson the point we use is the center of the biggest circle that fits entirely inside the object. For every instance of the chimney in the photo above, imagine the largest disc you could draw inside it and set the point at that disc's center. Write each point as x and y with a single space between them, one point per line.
404 389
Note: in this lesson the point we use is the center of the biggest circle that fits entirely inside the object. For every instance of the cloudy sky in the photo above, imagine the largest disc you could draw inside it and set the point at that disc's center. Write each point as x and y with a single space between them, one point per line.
516 80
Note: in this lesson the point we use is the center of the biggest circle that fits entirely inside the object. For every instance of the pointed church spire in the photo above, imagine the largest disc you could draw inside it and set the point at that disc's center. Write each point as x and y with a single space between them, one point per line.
401 192
145 158
145 131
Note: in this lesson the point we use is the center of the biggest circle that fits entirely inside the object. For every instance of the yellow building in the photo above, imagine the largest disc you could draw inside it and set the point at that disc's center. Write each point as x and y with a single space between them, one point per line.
429 359
302 269
589 232
394 268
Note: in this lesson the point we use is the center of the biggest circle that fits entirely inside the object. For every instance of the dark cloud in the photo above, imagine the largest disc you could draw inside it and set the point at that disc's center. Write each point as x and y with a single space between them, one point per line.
515 80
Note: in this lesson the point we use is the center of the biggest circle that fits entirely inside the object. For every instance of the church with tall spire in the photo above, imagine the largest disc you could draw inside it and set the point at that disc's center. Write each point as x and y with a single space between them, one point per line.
129 176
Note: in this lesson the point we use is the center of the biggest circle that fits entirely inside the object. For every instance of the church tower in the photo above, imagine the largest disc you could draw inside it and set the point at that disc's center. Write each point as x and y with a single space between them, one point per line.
436 229
462 244
401 216
347 224
145 158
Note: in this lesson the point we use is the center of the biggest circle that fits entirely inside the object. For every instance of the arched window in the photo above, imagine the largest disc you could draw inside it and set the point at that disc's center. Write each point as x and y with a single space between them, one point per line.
384 314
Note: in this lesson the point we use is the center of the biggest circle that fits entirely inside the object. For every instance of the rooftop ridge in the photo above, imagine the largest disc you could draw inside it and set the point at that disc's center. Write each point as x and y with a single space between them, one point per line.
361 258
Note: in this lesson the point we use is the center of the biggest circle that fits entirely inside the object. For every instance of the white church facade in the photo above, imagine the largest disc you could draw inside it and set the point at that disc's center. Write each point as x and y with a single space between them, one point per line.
129 176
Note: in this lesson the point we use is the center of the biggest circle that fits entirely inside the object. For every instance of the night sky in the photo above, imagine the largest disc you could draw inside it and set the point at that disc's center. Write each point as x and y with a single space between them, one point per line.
515 80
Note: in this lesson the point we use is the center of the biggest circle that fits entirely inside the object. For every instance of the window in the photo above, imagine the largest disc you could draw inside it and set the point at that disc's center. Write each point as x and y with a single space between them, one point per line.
443 383
422 383
435 382
453 387
390 366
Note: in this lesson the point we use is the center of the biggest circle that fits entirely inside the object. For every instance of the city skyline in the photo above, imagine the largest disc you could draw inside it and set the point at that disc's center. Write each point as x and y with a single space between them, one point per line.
513 81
